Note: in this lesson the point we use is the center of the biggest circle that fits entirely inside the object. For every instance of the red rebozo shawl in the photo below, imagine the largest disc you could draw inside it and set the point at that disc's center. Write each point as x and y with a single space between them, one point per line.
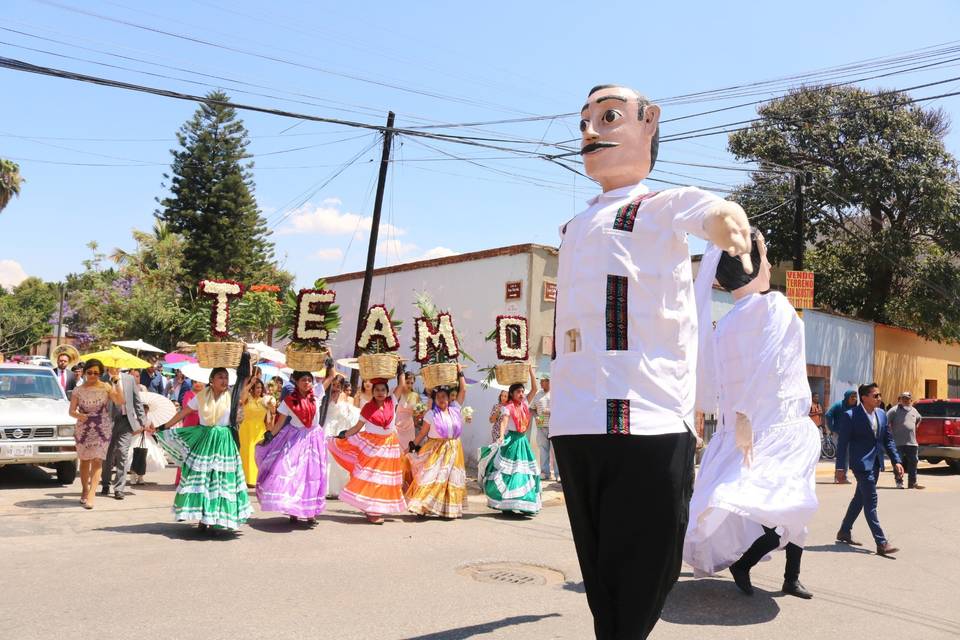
520 413
304 407
378 416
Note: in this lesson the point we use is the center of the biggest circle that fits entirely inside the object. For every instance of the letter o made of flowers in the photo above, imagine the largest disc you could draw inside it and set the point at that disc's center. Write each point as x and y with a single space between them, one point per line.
512 338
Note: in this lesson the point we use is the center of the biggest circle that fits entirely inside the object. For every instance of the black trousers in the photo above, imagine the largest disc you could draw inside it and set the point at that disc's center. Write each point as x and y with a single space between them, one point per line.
628 499
767 543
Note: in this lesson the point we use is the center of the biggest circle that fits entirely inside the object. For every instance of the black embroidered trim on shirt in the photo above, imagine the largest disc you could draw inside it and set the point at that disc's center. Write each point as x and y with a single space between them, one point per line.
627 214
618 417
616 313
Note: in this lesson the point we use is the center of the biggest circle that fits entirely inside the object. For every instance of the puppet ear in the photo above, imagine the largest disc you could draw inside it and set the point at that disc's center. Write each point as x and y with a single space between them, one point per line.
651 116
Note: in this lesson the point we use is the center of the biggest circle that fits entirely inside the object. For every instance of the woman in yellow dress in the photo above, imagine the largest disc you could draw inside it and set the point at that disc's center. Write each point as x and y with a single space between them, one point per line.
257 418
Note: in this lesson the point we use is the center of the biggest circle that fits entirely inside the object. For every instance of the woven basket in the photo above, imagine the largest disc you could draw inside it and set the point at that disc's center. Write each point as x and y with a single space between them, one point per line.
219 354
378 365
439 375
512 373
300 360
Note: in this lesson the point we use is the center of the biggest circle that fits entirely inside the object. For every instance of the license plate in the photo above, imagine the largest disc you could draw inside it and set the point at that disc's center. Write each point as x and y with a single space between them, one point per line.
16 450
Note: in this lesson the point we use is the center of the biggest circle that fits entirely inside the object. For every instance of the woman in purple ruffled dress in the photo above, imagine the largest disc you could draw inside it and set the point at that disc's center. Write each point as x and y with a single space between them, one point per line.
293 465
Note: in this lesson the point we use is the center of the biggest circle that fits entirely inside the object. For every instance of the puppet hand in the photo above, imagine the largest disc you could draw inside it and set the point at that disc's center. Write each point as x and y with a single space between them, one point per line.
727 227
743 437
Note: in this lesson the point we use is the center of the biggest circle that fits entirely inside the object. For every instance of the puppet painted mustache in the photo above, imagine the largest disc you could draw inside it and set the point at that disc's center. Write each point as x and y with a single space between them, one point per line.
596 146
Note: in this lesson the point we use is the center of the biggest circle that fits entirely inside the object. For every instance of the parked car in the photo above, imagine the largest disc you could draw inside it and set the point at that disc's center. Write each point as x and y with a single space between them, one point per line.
40 361
35 423
939 432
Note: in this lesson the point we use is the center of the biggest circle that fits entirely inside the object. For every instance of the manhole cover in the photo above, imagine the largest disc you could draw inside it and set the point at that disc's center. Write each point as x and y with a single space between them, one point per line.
511 573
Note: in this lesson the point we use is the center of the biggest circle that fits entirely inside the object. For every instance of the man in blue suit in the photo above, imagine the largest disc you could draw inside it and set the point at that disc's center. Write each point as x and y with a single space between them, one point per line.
863 435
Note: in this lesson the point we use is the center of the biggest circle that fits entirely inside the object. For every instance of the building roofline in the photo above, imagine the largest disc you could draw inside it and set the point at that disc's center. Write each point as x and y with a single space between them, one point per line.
497 252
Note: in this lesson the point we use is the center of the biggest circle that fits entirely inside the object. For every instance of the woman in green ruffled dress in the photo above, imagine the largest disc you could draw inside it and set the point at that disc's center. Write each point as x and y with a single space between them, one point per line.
508 469
212 489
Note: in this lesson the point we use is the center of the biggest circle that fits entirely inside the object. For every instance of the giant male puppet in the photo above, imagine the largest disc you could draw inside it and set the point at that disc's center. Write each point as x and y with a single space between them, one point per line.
625 363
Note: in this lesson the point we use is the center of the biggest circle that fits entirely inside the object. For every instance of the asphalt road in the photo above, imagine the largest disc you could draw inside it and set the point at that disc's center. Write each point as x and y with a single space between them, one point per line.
124 570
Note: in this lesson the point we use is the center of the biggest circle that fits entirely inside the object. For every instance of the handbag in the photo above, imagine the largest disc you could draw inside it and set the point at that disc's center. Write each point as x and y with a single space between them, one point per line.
138 464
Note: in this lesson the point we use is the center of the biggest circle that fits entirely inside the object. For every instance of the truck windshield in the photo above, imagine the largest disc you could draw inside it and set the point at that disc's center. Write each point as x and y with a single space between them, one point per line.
939 409
31 383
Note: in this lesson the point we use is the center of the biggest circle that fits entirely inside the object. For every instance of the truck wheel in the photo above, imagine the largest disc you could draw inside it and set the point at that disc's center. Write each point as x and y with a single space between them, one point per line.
66 472
954 465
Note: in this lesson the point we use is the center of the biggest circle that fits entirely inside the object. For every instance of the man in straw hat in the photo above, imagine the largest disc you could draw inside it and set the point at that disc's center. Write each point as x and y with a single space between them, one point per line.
625 348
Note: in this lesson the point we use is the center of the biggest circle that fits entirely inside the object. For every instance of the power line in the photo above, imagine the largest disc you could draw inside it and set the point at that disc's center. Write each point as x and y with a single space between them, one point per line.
262 56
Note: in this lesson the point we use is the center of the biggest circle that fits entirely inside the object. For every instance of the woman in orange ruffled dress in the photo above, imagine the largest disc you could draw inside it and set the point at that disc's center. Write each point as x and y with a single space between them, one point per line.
370 452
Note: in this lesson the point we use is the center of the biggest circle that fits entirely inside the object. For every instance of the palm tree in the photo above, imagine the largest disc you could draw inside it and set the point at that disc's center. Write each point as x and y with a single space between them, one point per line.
10 181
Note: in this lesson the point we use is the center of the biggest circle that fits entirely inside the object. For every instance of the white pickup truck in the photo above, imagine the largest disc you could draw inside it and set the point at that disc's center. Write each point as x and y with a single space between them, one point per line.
35 423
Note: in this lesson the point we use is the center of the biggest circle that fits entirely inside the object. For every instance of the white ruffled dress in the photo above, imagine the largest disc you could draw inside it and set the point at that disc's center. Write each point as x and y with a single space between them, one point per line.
760 369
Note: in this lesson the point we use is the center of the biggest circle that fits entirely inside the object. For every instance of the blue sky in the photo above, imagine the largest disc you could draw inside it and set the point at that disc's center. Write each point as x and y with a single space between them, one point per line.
431 62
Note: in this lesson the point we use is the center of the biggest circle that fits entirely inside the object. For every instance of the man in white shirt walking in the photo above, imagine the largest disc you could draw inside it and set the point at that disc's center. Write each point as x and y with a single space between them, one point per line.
541 407
625 361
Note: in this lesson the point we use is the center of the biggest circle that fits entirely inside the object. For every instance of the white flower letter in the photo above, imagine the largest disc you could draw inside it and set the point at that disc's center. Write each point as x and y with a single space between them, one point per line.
221 291
443 337
512 338
311 312
378 324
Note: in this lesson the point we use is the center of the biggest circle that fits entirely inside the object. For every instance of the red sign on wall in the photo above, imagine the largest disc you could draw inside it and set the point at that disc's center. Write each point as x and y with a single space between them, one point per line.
514 290
800 289
549 291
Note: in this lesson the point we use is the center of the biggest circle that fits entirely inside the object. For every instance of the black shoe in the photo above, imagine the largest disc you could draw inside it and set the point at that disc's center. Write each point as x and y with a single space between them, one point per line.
742 579
794 588
105 491
886 549
119 495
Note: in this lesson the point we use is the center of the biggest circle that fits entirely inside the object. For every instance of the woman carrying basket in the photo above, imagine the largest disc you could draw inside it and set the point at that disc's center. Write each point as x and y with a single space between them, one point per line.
508 470
212 489
370 452
293 465
439 476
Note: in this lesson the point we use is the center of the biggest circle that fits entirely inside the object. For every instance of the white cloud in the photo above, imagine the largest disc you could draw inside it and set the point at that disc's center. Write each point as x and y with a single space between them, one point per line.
327 218
11 274
332 253
438 252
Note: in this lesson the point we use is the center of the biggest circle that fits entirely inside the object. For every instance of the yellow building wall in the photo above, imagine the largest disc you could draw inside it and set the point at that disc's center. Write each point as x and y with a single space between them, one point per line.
903 361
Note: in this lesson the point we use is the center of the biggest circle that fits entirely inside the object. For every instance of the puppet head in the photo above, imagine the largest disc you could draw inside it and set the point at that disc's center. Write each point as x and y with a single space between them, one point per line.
620 135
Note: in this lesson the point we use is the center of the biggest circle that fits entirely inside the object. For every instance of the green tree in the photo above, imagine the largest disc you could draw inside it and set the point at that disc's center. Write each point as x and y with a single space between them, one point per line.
883 211
211 202
25 314
10 181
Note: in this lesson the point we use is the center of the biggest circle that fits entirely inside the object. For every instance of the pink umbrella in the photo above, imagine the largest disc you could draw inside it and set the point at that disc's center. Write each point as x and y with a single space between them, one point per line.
173 358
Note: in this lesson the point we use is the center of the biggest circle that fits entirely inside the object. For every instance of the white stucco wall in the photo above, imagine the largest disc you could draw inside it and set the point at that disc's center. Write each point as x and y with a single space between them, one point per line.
473 292
844 345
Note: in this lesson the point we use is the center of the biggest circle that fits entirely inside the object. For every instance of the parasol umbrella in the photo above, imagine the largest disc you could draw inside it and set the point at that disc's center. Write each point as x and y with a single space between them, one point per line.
159 409
175 358
138 345
195 372
348 363
269 371
172 368
115 357
266 352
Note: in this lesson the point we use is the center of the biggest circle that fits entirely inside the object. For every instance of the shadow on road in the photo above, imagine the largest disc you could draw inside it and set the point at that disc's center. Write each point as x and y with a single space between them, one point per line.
576 587
174 531
19 476
717 602
837 548
478 629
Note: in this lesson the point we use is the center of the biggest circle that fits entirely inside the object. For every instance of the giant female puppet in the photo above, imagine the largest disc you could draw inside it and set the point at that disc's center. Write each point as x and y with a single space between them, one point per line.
625 359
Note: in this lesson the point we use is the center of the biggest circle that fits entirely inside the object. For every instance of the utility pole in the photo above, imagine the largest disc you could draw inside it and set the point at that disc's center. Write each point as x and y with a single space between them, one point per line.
56 341
374 233
799 182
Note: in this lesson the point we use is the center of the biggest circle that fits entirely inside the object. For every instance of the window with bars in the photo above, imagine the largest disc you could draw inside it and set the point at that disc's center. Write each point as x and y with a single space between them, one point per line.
953 381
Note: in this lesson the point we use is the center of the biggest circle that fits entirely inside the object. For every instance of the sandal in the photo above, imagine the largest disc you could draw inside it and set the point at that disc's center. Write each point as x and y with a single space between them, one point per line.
373 519
87 506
